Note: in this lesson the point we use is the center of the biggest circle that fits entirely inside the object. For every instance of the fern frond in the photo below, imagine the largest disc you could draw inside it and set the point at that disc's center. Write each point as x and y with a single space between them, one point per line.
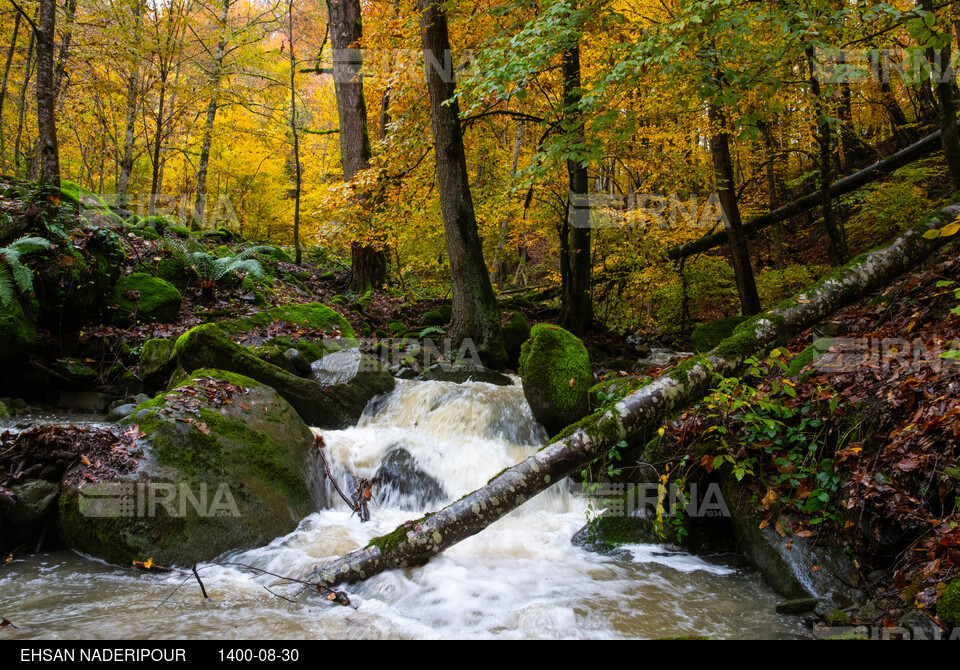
251 266
26 244
6 285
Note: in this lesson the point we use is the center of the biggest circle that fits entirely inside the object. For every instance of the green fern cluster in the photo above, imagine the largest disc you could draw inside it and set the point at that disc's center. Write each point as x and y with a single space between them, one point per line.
14 275
212 269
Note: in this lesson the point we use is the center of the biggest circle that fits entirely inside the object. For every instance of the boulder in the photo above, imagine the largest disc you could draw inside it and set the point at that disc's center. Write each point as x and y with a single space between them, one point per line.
348 379
147 297
556 375
948 608
18 331
784 562
31 501
461 374
157 361
224 466
312 328
515 333
401 483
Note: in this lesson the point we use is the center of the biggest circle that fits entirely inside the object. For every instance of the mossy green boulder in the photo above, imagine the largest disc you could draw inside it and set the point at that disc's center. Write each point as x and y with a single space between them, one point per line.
709 335
214 476
329 405
556 375
515 333
157 360
432 318
147 298
18 330
948 609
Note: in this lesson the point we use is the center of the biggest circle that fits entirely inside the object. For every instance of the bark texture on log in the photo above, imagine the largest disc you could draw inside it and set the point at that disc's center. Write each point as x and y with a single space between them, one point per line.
415 542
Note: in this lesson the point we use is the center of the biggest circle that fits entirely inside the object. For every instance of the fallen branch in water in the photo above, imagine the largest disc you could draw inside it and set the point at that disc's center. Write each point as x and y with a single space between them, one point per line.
641 413
363 491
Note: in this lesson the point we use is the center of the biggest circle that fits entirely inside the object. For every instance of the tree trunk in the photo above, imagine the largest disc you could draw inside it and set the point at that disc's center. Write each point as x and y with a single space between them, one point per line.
3 89
46 96
215 76
639 414
475 313
944 89
727 193
576 307
298 172
773 190
369 262
21 116
126 162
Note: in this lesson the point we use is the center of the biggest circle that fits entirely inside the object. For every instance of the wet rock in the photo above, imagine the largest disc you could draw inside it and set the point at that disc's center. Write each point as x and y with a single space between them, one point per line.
213 477
515 332
798 606
299 362
121 412
343 381
461 374
785 563
85 401
157 361
18 330
402 483
32 501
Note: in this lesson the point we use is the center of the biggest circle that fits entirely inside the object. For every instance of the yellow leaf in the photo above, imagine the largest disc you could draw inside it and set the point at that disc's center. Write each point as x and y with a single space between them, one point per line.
149 563
931 235
662 432
950 230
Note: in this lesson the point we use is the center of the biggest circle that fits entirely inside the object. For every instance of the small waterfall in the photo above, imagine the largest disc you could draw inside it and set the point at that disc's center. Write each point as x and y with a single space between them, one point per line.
429 443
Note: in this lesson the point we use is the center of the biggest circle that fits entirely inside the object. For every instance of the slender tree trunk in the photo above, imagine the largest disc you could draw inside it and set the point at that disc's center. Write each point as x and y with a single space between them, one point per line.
726 191
837 247
3 90
945 92
576 306
46 95
773 191
298 252
637 415
215 77
498 265
475 312
126 162
21 116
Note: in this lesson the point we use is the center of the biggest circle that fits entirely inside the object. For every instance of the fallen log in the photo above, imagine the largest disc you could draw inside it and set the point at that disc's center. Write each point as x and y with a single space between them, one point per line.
415 542
905 156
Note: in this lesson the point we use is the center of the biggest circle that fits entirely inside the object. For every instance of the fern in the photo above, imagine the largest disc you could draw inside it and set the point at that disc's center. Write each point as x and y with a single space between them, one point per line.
13 273
211 269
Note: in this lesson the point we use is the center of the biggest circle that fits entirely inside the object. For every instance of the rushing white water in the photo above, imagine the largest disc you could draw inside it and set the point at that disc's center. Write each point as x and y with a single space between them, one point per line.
519 578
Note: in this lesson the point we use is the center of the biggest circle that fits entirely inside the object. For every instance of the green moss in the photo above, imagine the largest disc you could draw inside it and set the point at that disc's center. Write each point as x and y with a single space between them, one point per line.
158 300
709 335
807 356
156 356
555 368
681 371
615 389
603 426
180 231
515 332
948 608
432 318
18 330
309 315
4 412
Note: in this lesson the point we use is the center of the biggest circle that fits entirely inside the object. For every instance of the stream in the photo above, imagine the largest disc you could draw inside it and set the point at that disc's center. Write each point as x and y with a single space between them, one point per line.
429 443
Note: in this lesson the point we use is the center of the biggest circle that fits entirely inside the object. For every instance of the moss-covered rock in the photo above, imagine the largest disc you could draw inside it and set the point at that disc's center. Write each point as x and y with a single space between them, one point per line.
214 477
515 333
157 360
312 315
18 330
446 311
707 336
432 318
4 412
556 375
333 404
149 298
948 609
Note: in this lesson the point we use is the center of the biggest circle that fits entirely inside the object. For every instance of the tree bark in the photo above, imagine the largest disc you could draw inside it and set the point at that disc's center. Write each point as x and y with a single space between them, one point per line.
837 247
476 315
298 172
576 306
46 96
126 162
727 193
3 89
368 262
945 93
641 413
216 75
